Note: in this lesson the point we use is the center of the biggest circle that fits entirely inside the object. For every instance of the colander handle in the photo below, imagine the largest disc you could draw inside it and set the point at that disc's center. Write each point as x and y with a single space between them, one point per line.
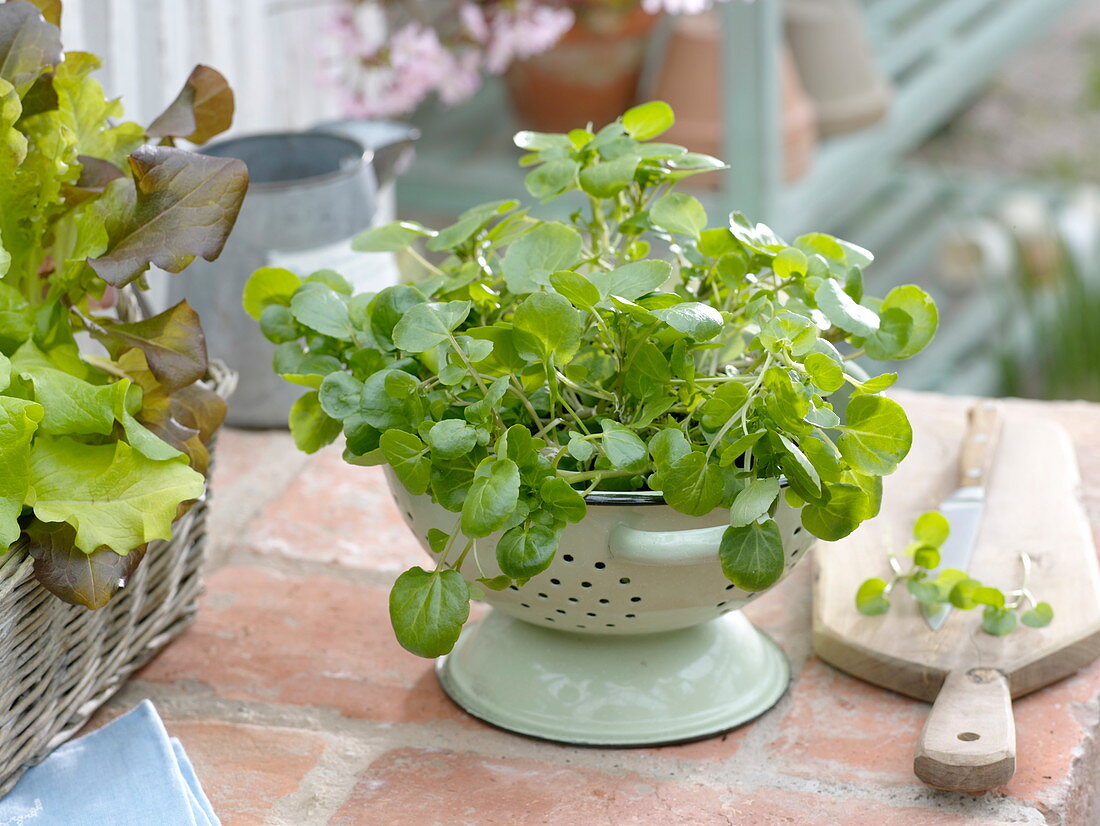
690 547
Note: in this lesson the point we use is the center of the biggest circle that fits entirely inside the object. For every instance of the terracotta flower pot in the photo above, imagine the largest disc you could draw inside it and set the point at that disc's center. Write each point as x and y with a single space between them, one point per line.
690 81
591 75
833 52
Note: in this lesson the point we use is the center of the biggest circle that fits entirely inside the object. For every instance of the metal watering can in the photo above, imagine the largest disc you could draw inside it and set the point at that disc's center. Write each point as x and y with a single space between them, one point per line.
310 194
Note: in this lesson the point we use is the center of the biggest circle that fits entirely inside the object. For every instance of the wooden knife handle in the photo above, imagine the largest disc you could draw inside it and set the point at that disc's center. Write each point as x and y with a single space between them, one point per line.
969 740
979 444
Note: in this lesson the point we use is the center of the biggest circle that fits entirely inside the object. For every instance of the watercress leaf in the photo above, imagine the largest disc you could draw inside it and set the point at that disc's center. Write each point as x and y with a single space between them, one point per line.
679 213
323 309
469 223
333 280
757 238
876 436
606 179
540 141
580 449
871 599
961 594
823 417
789 331
548 248
923 591
388 307
826 374
278 325
845 509
622 447
561 500
79 578
632 281
392 237
269 285
789 263
732 452
752 555
202 109
425 326
340 395
984 595
926 557
648 373
527 549
547 327
183 205
909 320
667 445
877 384
497 583
310 426
113 495
1038 617
800 471
408 456
492 497
931 529
576 288
172 342
998 621
648 120
438 540
19 420
700 321
310 370
728 399
692 485
551 179
451 438
842 311
428 610
754 500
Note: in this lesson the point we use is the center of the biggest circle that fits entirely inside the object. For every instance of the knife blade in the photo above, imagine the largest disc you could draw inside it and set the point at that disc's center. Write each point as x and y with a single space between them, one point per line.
965 508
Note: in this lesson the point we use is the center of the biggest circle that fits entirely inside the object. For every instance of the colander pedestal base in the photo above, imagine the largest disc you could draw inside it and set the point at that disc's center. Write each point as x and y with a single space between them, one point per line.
623 690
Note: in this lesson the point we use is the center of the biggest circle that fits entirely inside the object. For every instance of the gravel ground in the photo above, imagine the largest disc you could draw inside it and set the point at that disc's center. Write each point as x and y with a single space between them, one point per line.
1041 116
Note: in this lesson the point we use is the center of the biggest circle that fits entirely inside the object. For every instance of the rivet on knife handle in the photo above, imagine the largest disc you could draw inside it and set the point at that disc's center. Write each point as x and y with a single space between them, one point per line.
979 444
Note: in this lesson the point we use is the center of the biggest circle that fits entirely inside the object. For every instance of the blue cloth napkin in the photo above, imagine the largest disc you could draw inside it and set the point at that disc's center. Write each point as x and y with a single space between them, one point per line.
128 773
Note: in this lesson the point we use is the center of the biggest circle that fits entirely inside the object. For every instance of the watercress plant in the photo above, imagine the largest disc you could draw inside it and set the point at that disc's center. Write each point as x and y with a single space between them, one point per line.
631 346
99 451
1001 613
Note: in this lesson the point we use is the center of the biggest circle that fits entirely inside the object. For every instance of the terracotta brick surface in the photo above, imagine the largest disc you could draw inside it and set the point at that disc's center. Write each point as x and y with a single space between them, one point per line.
298 707
336 512
270 637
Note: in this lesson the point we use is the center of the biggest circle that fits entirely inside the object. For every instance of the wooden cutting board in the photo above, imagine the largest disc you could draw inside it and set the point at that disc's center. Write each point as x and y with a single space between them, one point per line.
1033 505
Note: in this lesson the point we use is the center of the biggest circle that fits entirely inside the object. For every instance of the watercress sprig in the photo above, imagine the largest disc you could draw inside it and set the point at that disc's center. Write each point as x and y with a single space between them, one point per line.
629 346
1001 612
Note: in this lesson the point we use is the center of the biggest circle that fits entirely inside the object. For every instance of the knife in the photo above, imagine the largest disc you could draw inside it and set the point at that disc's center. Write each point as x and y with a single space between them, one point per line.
964 508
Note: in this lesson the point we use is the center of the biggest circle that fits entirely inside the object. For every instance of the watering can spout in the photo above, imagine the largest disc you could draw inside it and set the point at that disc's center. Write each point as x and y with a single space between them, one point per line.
391 143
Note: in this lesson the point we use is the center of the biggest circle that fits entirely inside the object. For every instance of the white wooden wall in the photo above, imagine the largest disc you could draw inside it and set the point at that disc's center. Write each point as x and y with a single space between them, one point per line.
268 49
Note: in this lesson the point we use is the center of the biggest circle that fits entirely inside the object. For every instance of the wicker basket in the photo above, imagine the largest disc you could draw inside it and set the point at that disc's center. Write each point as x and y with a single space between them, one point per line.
61 662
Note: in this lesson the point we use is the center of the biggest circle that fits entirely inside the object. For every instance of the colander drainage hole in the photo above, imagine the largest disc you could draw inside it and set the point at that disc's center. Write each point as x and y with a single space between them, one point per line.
600 566
605 602
568 558
590 614
561 611
721 605
610 625
586 584
797 530
582 626
730 587
631 616
573 599
544 596
624 580
525 605
555 582
635 599
549 619
513 588
409 515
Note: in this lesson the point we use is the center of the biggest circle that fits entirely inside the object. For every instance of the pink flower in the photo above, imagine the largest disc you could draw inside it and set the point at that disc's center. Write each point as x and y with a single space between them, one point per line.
473 21
526 30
